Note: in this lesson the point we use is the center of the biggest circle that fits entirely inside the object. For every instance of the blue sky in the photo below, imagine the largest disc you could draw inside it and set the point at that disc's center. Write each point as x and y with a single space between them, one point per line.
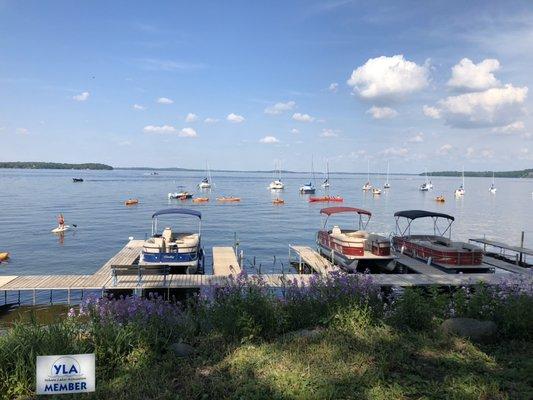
242 83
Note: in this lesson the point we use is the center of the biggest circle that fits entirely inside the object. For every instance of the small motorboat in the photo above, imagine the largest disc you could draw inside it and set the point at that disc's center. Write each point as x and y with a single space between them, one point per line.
367 186
131 202
153 173
437 248
440 199
376 191
326 199
225 199
180 196
354 249
77 179
200 200
278 201
307 189
181 251
4 256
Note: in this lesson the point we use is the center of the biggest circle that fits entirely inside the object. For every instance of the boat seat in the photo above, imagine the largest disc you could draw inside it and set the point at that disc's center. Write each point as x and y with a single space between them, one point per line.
336 230
358 234
154 245
167 235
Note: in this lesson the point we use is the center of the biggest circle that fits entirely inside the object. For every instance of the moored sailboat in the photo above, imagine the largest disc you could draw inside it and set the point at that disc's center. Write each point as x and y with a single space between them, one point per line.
461 190
492 188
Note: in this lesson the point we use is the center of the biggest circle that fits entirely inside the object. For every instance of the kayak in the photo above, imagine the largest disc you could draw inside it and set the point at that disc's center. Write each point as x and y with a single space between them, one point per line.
131 202
326 199
60 230
229 199
201 200
278 201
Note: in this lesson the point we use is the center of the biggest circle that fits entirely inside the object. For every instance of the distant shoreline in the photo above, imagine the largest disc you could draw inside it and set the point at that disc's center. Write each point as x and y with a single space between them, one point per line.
51 165
525 173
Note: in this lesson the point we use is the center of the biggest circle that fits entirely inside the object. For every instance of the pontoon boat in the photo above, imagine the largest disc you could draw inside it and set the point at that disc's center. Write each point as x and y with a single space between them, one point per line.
437 248
181 251
354 249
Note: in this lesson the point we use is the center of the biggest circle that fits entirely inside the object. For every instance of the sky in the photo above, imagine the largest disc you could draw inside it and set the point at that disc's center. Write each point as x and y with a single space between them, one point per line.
240 84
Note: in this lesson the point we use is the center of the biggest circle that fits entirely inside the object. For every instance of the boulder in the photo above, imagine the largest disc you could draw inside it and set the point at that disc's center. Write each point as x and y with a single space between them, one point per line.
469 327
182 349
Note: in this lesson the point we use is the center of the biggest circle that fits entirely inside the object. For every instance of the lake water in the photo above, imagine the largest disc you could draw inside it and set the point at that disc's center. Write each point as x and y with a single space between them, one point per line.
31 199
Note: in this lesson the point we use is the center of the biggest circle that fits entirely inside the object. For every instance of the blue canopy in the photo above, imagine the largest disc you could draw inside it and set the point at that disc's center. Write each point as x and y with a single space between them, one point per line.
183 211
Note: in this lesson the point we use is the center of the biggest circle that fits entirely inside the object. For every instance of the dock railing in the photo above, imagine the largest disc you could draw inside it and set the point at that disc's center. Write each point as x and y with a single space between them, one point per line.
139 271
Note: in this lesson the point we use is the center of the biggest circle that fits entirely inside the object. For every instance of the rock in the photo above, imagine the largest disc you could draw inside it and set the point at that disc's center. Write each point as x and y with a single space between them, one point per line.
306 333
469 327
182 349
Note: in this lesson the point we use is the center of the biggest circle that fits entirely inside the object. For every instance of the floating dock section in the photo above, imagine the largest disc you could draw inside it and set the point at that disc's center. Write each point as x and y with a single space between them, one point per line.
225 261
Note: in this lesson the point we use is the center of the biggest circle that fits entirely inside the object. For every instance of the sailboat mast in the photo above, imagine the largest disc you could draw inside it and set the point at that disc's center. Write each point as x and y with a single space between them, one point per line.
387 172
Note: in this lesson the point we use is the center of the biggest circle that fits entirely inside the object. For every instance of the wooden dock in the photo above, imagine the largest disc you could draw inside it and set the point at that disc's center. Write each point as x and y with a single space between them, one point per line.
306 255
418 266
494 262
225 261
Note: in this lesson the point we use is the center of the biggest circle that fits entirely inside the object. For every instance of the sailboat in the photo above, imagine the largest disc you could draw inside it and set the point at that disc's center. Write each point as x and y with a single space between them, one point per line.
325 184
309 188
492 188
427 185
461 191
277 184
387 184
206 182
367 186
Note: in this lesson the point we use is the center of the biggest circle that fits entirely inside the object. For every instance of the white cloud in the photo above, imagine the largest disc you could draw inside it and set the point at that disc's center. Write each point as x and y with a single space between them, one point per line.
81 97
492 107
294 130
445 149
470 152
165 100
168 129
431 112
187 132
333 87
469 76
328 133
279 108
235 118
191 117
487 153
302 117
418 138
22 131
395 152
269 140
513 127
159 129
388 78
382 112
138 107
210 120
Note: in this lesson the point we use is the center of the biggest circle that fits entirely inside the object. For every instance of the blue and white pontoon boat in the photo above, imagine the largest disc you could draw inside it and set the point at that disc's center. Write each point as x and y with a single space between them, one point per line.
181 251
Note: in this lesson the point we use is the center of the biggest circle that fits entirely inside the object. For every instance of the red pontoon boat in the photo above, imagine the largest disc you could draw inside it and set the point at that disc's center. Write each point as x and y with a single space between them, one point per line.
354 249
437 248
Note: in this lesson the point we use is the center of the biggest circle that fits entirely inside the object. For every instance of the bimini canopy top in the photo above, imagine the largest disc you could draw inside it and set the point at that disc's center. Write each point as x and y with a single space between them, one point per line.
336 210
182 211
415 214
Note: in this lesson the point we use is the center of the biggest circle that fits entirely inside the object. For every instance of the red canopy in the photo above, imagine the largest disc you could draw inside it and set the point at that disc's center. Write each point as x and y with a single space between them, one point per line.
335 210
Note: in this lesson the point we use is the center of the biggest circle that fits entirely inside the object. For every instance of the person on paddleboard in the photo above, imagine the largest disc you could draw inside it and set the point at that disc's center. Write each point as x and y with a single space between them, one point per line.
60 221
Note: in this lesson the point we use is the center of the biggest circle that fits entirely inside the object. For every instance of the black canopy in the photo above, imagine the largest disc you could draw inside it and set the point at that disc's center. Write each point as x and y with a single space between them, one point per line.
414 214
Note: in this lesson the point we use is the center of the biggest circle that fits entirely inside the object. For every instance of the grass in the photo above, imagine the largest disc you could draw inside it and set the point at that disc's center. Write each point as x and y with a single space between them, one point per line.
367 347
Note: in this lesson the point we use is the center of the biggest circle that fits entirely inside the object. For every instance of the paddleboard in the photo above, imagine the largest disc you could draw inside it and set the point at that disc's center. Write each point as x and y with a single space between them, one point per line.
59 230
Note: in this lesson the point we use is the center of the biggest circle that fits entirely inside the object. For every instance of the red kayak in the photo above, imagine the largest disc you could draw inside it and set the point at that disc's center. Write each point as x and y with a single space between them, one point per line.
326 199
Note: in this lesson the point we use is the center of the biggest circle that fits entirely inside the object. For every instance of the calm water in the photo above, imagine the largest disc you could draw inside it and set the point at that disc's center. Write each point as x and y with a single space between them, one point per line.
31 199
